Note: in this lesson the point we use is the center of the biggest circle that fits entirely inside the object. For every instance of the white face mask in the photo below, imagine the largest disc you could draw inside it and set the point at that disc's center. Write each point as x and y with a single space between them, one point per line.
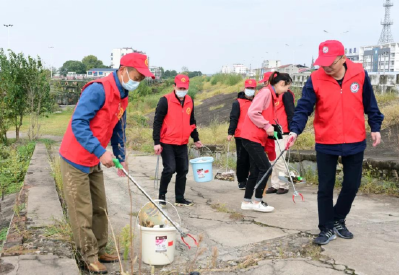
181 93
131 85
249 92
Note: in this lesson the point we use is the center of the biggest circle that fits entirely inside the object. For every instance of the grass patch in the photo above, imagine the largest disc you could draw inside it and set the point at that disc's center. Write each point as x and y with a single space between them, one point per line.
212 108
221 207
60 230
3 234
14 161
54 124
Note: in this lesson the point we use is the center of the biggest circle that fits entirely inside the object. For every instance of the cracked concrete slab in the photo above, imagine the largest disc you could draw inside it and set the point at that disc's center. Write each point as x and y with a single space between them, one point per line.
43 205
373 220
39 265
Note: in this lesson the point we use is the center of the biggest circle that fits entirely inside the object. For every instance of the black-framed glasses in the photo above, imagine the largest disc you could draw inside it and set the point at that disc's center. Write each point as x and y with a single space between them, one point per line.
334 63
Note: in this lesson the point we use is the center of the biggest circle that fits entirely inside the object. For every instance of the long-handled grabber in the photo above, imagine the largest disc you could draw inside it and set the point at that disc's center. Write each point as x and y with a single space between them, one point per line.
183 234
295 193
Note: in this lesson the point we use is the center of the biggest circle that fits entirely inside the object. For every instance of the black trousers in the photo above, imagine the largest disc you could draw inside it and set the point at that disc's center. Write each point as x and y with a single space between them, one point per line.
242 162
352 170
175 159
259 165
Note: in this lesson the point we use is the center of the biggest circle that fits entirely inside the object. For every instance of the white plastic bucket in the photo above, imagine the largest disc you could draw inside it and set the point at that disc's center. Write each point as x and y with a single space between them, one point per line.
158 244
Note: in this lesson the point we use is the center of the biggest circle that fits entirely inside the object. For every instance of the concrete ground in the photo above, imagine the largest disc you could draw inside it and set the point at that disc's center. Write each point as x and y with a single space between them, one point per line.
279 241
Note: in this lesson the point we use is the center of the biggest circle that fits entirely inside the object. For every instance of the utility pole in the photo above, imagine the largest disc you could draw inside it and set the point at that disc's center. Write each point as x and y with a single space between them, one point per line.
8 26
51 65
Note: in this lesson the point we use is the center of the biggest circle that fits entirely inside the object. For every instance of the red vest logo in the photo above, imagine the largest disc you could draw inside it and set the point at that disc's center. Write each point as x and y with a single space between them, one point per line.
188 110
354 87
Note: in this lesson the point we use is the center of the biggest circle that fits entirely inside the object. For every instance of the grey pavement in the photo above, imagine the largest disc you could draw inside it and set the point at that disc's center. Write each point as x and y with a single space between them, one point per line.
43 206
38 265
374 220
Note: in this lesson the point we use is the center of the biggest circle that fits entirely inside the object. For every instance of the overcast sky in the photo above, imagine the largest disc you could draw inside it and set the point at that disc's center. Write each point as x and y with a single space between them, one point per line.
202 35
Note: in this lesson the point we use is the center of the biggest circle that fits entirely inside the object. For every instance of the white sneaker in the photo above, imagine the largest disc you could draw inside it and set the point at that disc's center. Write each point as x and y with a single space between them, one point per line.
262 207
247 206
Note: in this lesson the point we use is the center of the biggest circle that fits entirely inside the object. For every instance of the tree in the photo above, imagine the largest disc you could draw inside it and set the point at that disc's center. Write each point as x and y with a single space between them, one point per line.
92 62
185 69
25 88
72 66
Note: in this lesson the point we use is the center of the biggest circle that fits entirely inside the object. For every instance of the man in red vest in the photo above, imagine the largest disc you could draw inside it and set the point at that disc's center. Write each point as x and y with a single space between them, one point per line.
98 118
174 123
237 116
341 92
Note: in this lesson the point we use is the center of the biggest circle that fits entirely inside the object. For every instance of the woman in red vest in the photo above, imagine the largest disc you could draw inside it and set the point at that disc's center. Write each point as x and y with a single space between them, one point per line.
258 125
174 123
284 110
237 116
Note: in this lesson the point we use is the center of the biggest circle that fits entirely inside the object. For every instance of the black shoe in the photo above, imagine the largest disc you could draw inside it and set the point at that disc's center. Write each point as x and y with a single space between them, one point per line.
282 191
163 202
183 202
271 190
242 185
325 237
341 230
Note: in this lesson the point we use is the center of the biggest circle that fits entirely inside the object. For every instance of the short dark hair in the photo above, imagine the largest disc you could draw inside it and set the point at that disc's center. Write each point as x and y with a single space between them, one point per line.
277 76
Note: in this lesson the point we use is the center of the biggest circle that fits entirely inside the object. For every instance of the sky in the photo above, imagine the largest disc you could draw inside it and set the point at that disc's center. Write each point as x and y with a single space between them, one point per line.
201 35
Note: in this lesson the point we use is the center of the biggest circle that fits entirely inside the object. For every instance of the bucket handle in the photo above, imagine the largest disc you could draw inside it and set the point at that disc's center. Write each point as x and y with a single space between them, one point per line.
180 220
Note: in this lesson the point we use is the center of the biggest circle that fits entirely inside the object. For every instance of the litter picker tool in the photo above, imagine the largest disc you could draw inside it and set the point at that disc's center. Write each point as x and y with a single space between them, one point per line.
295 193
183 234
156 179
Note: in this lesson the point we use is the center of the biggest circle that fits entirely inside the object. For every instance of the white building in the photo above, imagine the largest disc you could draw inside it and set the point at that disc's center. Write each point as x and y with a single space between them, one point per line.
380 58
235 69
271 63
99 72
156 71
116 55
227 69
353 54
240 69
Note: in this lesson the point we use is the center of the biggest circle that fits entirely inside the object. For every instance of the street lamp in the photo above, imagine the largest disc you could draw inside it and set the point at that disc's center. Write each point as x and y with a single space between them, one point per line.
8 26
51 64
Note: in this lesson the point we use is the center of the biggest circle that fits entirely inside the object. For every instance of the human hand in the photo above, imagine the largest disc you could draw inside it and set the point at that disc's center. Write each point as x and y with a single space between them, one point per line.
157 149
376 138
198 144
107 159
120 172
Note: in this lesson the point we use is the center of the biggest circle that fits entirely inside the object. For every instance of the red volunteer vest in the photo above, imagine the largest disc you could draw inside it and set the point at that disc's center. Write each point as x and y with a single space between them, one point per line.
339 111
244 107
281 112
176 128
250 131
102 125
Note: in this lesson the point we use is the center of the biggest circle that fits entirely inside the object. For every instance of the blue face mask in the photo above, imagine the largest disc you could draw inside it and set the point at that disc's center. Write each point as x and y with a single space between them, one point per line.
131 85
180 93
249 92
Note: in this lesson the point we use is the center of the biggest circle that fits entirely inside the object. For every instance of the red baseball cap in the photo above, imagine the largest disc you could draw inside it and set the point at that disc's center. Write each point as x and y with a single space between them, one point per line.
137 61
328 51
266 77
182 81
250 83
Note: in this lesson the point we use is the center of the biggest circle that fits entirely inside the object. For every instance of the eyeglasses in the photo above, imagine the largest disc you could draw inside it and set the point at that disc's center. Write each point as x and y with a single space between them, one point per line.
334 63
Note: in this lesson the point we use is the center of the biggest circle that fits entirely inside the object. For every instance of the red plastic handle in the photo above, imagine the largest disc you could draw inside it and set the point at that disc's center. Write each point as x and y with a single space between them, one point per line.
288 142
188 235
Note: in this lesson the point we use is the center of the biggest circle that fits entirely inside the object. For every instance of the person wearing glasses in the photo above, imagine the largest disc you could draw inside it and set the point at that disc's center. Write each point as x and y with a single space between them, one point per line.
341 92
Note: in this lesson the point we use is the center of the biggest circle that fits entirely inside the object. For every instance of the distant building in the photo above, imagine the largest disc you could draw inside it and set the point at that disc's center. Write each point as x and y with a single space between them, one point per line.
235 69
271 63
116 55
99 72
353 54
380 58
156 71
291 69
